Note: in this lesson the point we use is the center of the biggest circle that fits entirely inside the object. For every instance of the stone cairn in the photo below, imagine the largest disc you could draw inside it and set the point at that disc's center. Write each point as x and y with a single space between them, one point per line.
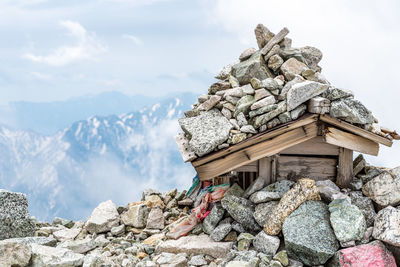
263 89
283 224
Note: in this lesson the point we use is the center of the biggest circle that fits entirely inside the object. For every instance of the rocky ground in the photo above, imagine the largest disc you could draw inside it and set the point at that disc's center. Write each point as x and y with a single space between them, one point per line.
305 223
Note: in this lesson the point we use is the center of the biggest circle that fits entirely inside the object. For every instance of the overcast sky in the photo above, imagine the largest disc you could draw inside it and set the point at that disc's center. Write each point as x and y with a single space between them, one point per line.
54 50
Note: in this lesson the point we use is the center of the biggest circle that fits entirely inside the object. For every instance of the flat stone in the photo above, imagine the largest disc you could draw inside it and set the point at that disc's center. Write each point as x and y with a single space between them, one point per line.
263 102
201 244
327 189
351 110
225 71
104 217
237 138
264 196
264 118
136 215
243 105
67 234
347 221
292 67
372 254
384 189
248 89
387 227
218 86
39 240
276 39
241 211
233 81
247 53
79 246
281 187
359 164
14 254
234 92
214 217
155 220
308 235
49 256
273 123
288 86
308 55
261 93
231 100
269 84
207 131
197 260
210 103
235 190
262 211
241 119
15 220
302 191
333 93
154 239
262 110
285 117
255 186
263 35
303 91
227 113
282 257
221 231
118 230
252 67
365 205
266 244
248 129
275 62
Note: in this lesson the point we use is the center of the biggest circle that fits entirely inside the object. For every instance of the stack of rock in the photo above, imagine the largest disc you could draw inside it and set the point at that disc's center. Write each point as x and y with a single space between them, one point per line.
282 224
265 88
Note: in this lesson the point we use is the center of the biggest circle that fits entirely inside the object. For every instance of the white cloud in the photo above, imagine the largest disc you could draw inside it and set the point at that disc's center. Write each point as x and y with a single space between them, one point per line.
41 76
87 47
134 39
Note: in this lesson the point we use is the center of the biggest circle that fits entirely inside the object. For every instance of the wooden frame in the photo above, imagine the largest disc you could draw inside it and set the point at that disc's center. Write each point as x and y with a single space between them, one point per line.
345 168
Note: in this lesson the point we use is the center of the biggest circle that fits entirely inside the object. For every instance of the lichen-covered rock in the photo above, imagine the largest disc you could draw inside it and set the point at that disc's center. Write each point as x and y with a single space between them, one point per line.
387 226
49 256
14 216
255 186
207 131
327 189
221 231
372 254
308 55
243 105
263 35
225 71
302 191
333 93
264 118
347 220
351 110
365 205
292 67
14 254
104 217
247 53
265 243
303 91
254 67
241 211
213 218
308 234
281 187
262 212
264 196
384 189
235 190
136 215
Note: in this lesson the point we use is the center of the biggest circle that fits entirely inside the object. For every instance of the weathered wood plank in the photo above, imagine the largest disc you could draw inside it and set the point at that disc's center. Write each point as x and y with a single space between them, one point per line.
184 148
257 139
350 141
356 130
256 151
264 169
296 167
345 168
315 146
251 167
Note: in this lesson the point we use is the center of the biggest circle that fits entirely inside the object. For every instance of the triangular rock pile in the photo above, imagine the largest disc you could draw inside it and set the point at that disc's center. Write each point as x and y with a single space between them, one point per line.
263 89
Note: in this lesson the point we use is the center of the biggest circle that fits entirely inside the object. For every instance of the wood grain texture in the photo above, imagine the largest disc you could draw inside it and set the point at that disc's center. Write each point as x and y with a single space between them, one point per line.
315 146
350 141
345 168
264 169
356 130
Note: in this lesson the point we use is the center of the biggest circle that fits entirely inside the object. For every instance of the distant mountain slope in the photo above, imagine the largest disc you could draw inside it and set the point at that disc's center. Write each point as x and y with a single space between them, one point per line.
104 157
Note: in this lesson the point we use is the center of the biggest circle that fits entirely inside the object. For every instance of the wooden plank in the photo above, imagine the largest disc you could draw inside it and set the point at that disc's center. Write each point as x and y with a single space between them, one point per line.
350 141
264 169
257 139
274 171
256 152
345 168
356 130
251 167
296 167
315 146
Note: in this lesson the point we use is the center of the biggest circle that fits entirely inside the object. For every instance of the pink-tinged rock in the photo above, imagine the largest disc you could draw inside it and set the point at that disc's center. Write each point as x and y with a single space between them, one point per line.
373 254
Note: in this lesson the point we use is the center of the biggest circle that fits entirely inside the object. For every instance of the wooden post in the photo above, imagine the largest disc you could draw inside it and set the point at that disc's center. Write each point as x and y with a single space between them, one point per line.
345 167
264 169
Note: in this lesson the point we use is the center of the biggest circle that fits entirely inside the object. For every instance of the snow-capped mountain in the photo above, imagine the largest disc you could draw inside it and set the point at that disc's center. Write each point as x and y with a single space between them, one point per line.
103 157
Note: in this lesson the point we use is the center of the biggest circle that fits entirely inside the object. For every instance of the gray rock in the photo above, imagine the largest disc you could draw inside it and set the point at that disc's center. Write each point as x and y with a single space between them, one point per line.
297 112
104 217
308 234
333 93
371 172
247 53
241 119
237 138
137 214
263 35
248 89
292 67
234 92
347 221
118 230
49 256
284 117
39 240
210 103
218 86
269 84
301 92
384 189
233 81
66 234
14 216
263 119
243 105
266 243
288 86
275 62
386 226
238 227
155 220
248 129
221 231
351 110
365 205
235 190
276 39
227 113
225 71
241 211
197 260
255 186
254 67
280 187
79 246
207 131
244 241
267 101
262 212
264 196
327 189
262 110
308 55
359 164
214 217
14 254
260 94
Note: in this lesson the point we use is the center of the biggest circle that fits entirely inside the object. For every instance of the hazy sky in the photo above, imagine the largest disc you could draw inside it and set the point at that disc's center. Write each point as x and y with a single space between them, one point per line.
53 50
